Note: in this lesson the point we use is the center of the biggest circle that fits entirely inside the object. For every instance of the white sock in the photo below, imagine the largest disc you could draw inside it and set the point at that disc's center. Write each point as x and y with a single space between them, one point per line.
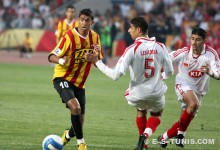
80 141
148 131
68 136
165 136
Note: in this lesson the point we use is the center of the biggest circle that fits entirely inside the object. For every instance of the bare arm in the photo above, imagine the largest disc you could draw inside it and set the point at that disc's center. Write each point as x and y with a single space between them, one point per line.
62 61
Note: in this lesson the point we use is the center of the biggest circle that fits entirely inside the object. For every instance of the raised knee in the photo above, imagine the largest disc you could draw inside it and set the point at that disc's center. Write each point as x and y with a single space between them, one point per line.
194 106
75 109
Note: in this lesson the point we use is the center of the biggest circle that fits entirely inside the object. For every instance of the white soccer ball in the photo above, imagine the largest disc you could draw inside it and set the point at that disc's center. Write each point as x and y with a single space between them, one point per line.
52 142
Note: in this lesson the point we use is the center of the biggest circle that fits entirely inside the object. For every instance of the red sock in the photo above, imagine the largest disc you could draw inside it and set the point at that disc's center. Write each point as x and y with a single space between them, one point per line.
152 123
185 120
141 123
173 130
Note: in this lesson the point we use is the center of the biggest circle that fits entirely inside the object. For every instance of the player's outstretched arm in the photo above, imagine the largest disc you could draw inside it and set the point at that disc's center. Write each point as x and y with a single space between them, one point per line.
112 73
119 69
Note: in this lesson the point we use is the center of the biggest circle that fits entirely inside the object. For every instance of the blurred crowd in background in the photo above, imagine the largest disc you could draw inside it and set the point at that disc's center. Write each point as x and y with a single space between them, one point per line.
170 21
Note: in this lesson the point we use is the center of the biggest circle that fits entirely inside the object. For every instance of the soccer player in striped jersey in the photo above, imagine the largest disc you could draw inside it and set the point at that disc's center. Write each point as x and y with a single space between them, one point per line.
144 58
72 71
195 65
68 23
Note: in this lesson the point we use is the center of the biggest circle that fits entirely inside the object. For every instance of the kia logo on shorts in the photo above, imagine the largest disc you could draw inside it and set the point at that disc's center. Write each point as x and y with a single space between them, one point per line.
196 73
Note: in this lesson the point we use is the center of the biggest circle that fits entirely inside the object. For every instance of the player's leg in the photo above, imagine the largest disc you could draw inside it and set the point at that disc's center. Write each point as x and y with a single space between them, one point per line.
156 108
71 132
141 120
152 123
80 94
75 111
172 131
141 113
66 92
150 127
188 97
192 102
75 127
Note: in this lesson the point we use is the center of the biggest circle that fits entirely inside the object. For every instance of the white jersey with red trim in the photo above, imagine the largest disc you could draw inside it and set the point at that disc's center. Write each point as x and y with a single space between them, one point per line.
145 59
189 67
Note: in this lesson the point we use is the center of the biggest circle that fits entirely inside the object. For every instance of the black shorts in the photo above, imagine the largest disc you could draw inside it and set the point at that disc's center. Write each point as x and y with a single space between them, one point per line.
68 91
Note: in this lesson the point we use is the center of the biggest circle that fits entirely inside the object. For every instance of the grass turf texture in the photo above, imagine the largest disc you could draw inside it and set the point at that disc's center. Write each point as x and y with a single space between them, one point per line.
30 109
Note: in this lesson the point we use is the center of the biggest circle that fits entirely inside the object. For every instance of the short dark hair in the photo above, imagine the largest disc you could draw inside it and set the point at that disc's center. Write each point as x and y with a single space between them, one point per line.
140 22
70 6
87 12
200 32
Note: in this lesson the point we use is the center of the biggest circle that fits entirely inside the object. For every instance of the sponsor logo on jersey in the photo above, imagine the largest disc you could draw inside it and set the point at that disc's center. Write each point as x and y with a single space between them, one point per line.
196 74
79 55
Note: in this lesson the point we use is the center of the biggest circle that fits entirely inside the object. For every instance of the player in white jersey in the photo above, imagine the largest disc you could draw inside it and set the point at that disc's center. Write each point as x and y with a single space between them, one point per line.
195 65
145 59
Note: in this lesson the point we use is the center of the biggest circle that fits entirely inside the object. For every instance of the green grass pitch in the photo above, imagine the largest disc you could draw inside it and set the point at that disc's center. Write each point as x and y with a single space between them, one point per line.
30 109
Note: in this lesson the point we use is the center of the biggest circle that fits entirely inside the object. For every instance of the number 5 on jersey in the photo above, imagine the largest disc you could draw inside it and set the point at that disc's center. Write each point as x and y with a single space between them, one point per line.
64 84
149 69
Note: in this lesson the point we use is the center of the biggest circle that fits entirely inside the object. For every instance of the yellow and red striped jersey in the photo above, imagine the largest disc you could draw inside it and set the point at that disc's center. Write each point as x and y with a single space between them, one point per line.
64 26
74 45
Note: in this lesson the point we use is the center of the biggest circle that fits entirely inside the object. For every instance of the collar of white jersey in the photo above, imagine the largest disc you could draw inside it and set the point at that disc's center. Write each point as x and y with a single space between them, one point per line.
141 39
203 51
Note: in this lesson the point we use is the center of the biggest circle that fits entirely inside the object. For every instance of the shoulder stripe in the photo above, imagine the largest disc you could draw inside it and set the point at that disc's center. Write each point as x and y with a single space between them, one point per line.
214 53
179 51
130 46
128 49
160 44
136 47
175 54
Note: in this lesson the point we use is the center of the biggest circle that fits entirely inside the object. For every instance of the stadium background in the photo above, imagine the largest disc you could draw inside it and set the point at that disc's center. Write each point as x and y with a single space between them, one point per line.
171 21
29 104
